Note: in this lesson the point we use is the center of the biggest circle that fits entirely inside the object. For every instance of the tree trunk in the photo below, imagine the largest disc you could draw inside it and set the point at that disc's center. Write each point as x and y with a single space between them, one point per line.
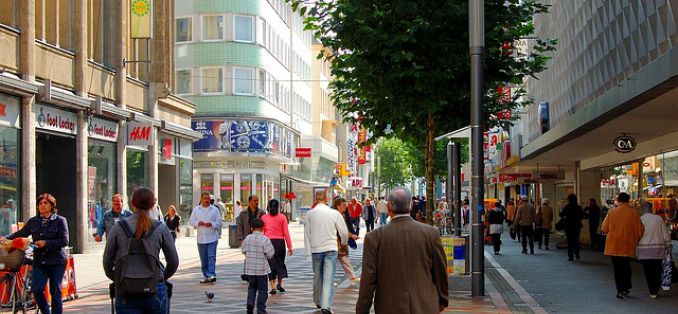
429 160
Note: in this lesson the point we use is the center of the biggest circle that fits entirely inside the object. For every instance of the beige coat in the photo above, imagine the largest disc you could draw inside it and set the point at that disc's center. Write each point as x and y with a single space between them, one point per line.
404 269
546 213
526 215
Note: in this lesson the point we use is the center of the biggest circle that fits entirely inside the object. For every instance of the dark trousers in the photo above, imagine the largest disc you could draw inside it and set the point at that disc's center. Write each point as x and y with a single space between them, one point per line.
543 237
369 223
496 242
356 225
593 235
518 233
572 242
277 263
258 289
55 273
653 274
527 236
622 272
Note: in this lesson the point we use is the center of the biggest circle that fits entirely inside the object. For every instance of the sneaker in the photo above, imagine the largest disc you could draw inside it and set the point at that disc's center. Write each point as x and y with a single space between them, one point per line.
524 252
205 280
273 291
326 311
212 279
496 253
653 296
280 289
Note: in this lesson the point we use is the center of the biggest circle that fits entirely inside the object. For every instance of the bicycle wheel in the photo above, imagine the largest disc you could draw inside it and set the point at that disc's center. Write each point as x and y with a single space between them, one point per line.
6 290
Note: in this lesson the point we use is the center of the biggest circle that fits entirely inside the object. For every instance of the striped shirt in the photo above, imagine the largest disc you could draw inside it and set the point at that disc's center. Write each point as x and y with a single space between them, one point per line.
258 250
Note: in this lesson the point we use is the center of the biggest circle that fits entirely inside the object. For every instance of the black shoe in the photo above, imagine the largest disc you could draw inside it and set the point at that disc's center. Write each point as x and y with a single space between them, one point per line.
326 311
524 252
273 291
280 289
212 279
532 252
496 253
546 248
577 256
626 292
620 295
318 306
570 259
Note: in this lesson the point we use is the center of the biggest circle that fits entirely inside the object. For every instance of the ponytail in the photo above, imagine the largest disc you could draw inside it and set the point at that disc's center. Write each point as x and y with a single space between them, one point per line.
143 200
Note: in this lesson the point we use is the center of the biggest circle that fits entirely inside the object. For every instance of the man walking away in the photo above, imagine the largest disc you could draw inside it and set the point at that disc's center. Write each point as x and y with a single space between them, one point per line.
369 214
593 213
525 218
323 224
207 220
382 209
258 250
546 213
403 274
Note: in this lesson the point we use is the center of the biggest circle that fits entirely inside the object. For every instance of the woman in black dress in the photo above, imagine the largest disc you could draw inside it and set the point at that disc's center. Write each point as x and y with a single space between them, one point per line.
172 220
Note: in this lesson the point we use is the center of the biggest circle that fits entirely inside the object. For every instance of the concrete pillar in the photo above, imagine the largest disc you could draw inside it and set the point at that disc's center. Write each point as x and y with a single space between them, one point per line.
80 33
27 68
122 162
81 219
120 53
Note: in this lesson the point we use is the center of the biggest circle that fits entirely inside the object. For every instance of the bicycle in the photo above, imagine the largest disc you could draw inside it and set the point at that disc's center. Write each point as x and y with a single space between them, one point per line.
17 285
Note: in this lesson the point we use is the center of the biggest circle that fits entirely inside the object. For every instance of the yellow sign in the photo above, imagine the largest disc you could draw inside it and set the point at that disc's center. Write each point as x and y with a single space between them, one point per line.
448 245
140 18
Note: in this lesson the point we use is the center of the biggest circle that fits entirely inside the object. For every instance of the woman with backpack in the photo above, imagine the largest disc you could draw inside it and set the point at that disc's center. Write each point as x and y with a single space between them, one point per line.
127 254
50 236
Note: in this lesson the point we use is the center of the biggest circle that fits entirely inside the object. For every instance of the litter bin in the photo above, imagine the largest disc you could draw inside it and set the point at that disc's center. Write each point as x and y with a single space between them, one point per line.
233 237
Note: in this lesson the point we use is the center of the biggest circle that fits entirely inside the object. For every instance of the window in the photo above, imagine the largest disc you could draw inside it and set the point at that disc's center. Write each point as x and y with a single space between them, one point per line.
213 27
262 83
212 81
243 28
183 82
243 81
276 92
184 29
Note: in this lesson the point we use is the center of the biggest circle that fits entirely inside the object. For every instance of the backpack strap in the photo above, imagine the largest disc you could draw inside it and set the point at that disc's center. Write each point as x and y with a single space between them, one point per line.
125 227
153 227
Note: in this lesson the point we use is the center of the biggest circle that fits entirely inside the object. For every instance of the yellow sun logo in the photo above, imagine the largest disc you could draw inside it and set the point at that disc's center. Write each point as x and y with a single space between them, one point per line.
141 7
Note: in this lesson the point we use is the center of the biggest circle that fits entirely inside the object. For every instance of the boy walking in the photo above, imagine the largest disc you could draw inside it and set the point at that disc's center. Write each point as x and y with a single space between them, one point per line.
258 250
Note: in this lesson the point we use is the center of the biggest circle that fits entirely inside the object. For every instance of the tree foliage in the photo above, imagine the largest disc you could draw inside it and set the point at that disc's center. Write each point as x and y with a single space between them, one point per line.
394 164
403 67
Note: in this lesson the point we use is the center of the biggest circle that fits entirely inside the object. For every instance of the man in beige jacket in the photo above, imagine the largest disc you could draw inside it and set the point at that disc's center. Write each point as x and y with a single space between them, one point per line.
525 218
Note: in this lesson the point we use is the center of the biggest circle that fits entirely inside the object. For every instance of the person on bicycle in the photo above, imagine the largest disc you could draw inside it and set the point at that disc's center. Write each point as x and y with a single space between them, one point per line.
50 237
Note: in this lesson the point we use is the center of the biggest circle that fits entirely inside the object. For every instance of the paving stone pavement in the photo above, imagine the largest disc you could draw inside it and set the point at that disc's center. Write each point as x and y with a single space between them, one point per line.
231 293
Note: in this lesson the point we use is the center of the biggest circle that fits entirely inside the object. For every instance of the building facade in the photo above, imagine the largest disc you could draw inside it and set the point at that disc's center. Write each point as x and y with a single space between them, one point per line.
603 121
247 65
81 116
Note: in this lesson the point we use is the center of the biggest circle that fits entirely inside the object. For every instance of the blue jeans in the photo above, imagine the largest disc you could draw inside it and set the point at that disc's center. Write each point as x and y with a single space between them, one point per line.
55 273
324 266
208 258
157 304
382 218
258 285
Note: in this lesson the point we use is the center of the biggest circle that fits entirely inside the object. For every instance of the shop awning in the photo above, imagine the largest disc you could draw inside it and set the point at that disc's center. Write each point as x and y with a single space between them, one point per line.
306 182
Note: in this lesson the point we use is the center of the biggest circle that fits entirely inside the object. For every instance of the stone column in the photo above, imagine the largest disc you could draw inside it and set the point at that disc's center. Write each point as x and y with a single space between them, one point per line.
120 46
27 68
81 219
81 34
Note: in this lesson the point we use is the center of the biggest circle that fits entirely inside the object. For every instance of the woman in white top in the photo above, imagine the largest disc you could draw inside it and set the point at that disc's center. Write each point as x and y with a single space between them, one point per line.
653 247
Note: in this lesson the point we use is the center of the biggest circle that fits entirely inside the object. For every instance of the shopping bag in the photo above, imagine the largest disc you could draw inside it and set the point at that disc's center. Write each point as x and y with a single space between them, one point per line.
666 272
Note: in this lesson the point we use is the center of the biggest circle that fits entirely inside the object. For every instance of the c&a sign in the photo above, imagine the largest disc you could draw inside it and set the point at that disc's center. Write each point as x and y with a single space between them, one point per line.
139 134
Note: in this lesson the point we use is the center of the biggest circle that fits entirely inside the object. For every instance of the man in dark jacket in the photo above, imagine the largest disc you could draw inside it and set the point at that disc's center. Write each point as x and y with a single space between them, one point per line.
413 268
252 212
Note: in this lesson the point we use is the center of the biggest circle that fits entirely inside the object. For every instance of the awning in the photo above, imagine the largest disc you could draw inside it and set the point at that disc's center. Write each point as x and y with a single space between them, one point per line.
464 132
302 181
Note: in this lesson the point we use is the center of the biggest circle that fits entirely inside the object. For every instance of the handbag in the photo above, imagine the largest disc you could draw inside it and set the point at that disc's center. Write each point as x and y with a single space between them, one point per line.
667 271
560 225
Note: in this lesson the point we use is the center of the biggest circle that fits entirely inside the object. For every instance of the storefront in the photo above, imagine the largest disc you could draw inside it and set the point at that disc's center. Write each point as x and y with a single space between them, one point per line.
175 167
9 160
55 159
239 158
102 156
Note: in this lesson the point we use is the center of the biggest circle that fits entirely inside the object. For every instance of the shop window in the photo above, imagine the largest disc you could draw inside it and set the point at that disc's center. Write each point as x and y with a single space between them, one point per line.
101 172
226 194
185 189
207 183
245 187
136 170
9 180
184 29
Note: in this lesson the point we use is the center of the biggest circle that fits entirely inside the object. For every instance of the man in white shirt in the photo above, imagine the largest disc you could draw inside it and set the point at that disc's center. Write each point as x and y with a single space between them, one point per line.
322 224
207 220
382 209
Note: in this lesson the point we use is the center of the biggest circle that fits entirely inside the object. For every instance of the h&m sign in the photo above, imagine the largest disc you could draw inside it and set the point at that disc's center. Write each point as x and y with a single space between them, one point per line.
140 134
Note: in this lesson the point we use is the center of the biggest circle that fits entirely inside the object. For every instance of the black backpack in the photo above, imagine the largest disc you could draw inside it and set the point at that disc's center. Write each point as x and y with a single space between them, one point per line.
138 270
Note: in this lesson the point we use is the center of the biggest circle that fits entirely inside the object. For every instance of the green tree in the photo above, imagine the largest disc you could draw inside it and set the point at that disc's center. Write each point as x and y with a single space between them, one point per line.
404 67
394 166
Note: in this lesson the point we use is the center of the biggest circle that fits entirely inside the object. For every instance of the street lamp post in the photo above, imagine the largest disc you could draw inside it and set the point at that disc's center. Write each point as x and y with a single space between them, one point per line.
477 50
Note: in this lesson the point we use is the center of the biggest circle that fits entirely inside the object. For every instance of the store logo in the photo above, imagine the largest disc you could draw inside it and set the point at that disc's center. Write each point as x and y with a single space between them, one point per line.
41 118
624 144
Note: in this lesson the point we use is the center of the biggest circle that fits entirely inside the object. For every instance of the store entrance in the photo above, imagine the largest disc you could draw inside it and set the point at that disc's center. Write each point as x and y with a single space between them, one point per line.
55 172
167 186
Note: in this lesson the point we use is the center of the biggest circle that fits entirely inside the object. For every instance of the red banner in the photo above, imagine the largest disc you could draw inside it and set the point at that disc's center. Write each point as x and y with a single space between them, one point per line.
302 152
